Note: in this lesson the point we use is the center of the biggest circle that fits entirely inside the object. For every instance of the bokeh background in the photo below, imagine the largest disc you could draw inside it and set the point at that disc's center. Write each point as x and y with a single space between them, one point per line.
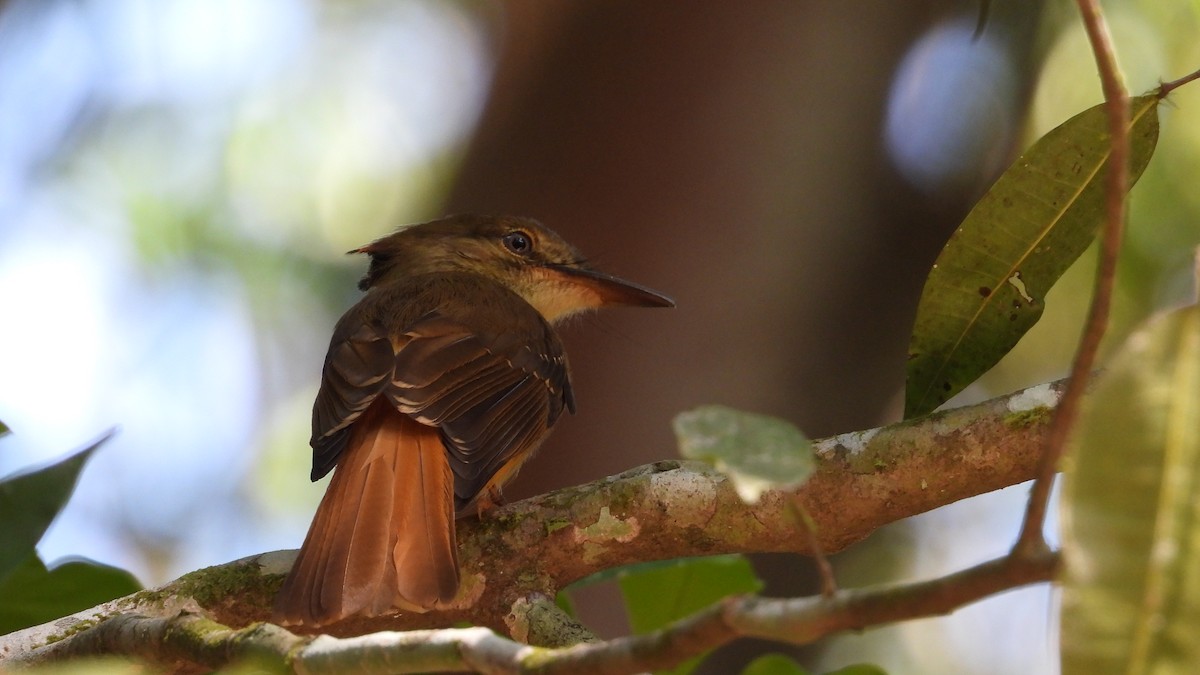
179 179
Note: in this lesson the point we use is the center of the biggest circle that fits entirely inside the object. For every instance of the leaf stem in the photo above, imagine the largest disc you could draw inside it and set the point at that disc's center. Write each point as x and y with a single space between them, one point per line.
1165 88
829 586
1032 539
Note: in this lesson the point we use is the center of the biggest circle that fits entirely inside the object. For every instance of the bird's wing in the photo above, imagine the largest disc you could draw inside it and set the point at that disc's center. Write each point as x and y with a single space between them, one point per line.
357 369
492 396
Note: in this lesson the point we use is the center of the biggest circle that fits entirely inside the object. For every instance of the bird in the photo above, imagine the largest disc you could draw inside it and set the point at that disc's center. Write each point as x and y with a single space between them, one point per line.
438 384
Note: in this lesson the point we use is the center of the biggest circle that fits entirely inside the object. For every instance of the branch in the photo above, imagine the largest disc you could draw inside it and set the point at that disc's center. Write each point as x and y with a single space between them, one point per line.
800 620
665 510
193 640
1032 537
182 642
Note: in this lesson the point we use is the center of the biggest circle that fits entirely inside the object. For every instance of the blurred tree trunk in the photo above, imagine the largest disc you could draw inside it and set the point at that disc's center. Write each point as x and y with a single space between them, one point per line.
728 155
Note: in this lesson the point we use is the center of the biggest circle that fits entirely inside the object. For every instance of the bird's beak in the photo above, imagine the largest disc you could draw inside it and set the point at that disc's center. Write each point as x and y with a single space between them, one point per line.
609 290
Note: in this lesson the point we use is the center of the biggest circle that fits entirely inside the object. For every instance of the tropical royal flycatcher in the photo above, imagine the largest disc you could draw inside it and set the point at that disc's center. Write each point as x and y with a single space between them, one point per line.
438 385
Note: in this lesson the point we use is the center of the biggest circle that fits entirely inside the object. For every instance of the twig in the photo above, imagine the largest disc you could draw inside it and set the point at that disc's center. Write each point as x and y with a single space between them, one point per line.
806 523
181 638
1165 88
985 8
797 621
1032 538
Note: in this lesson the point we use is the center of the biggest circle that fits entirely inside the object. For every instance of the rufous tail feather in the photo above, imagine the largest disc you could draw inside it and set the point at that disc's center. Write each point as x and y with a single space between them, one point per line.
383 536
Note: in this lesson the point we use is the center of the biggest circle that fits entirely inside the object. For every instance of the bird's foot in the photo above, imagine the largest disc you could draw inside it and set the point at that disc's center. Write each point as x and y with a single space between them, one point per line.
489 501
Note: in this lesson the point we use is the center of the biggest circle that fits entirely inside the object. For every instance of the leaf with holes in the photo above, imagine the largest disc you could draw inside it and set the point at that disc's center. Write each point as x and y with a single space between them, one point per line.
989 284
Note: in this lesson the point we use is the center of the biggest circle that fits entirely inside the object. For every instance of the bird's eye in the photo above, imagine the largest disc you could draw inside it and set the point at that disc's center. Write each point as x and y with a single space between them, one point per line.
518 242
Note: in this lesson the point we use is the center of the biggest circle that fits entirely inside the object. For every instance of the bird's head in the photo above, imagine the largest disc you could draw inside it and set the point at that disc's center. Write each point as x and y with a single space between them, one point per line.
525 256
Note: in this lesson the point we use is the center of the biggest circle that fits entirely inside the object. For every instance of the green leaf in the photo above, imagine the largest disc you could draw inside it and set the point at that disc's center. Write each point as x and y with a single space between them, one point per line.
757 452
655 595
859 669
614 573
774 664
659 593
4 430
989 284
34 595
1131 527
563 600
30 501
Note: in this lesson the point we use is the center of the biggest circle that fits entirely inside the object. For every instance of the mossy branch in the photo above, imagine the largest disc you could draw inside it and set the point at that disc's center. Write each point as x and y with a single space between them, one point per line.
521 555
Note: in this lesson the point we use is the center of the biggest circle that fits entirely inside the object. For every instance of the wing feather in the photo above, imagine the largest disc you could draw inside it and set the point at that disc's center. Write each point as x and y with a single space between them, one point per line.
492 395
492 392
357 369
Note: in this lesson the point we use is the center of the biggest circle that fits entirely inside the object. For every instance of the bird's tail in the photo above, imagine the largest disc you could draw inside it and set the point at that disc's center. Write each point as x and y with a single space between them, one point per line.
383 536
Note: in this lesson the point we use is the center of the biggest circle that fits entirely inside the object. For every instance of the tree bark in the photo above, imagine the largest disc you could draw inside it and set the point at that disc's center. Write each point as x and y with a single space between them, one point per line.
526 552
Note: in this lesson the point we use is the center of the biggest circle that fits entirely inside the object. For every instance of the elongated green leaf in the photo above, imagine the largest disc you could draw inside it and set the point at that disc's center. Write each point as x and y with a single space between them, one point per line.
757 452
33 595
989 284
30 501
658 594
1131 518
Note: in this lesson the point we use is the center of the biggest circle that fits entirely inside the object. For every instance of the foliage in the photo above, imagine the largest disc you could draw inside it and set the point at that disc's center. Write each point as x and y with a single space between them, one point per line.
30 501
988 286
1131 598
658 593
1132 586
758 453
32 593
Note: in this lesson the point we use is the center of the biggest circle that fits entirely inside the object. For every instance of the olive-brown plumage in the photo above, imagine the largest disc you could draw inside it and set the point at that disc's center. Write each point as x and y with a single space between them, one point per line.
437 386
